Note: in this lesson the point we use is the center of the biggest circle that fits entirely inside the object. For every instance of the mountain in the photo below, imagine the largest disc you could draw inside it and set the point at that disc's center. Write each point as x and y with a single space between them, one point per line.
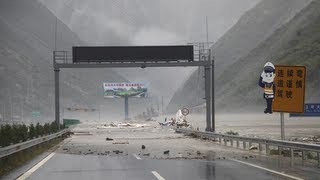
295 43
253 28
27 43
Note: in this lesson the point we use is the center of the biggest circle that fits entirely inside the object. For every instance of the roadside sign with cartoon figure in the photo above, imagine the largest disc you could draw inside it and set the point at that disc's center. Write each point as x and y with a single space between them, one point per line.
290 89
266 81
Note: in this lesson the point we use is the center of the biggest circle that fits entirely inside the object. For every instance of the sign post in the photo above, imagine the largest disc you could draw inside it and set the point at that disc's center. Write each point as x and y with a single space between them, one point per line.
126 108
282 126
290 91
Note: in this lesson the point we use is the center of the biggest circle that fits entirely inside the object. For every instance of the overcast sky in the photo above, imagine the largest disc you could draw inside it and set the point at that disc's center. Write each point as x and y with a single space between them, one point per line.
150 22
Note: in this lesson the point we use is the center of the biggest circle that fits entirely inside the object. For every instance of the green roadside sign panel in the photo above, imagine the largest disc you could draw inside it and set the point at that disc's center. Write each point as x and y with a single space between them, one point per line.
68 122
35 114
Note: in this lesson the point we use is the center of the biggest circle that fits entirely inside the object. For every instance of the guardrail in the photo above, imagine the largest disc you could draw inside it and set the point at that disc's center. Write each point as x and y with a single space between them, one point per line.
6 151
303 147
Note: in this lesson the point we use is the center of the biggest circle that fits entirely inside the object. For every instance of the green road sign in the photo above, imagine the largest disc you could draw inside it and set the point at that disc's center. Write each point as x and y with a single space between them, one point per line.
35 114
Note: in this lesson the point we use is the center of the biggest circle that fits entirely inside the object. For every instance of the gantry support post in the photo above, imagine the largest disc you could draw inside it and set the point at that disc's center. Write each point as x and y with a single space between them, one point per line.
57 102
208 98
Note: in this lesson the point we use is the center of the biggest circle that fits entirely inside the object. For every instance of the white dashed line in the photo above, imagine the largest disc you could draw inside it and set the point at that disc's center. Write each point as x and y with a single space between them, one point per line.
136 156
269 170
34 168
157 175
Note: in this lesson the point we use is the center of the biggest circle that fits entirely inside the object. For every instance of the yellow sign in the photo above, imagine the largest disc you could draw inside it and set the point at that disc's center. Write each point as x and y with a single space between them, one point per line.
290 89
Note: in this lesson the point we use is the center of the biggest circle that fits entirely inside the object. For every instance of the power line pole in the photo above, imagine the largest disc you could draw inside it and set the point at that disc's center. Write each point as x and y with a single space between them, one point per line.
55 35
207 29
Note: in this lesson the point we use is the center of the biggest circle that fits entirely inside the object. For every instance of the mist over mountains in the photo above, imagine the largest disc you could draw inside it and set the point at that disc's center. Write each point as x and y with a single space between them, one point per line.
27 43
145 22
282 31
262 34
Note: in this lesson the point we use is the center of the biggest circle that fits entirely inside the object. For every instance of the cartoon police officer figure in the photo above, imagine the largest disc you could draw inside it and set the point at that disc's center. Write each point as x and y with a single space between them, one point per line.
266 81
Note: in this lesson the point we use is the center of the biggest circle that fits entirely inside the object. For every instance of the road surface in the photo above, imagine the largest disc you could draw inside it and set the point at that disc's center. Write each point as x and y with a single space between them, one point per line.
88 155
78 167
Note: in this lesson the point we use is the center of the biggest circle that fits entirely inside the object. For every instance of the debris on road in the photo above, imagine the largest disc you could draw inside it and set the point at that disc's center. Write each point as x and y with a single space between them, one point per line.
82 133
244 157
122 125
150 119
109 139
88 153
147 154
253 148
198 152
180 122
166 152
118 151
143 147
126 142
310 139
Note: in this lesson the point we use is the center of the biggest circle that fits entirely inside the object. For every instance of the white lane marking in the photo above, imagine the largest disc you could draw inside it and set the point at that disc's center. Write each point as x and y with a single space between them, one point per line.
136 156
269 170
157 175
34 168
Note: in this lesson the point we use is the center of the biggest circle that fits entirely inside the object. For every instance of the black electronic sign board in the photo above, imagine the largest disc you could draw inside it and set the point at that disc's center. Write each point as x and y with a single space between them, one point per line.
131 53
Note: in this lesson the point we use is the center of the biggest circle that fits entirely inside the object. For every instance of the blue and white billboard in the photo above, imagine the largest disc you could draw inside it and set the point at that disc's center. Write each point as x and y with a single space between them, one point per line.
119 90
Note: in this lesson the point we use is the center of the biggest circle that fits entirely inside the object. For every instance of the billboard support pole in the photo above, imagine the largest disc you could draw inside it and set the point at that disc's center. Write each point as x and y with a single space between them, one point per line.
57 103
282 125
207 79
213 129
126 108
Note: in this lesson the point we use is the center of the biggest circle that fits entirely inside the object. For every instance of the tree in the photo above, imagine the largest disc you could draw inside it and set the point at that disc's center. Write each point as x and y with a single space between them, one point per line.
46 128
6 134
39 129
23 132
32 131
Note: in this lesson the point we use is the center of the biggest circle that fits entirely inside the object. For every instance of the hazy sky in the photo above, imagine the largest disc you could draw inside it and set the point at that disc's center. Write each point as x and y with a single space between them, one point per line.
150 22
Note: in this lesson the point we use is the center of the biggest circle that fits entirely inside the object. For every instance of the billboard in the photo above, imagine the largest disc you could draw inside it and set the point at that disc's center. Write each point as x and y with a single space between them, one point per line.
290 89
131 53
119 90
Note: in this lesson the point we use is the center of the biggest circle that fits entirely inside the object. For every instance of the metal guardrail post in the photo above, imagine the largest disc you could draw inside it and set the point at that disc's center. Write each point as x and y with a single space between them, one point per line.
303 155
318 157
8 150
303 147
291 156
279 150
